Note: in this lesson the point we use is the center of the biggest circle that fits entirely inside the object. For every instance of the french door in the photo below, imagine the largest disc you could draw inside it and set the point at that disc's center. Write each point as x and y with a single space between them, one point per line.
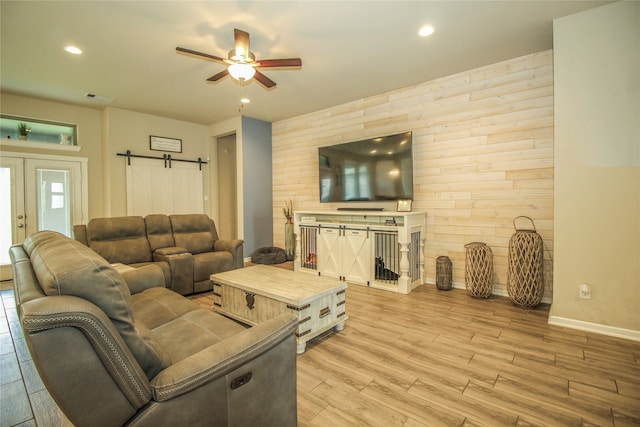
39 193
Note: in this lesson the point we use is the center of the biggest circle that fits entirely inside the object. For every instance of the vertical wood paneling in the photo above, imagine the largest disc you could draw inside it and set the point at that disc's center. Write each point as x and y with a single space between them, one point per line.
483 154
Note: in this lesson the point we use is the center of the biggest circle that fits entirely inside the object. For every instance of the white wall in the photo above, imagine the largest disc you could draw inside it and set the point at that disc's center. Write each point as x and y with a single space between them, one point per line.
597 163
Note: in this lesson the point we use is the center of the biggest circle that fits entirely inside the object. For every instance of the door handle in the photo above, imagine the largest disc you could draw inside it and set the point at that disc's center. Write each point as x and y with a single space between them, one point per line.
20 225
20 216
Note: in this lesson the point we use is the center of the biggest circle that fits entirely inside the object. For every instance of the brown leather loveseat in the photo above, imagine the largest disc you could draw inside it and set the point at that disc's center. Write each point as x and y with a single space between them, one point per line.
121 349
185 247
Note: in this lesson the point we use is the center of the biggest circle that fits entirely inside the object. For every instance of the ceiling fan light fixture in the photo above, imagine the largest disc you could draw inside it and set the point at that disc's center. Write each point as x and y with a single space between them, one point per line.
242 71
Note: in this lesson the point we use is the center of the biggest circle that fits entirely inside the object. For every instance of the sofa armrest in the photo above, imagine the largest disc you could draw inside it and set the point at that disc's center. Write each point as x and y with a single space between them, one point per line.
93 365
145 277
234 246
181 266
80 234
224 357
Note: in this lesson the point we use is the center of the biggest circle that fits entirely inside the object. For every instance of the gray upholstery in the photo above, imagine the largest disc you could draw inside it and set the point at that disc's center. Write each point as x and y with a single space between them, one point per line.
80 318
185 247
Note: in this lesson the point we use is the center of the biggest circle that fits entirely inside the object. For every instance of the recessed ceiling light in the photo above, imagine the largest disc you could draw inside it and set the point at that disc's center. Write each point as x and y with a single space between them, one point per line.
245 100
427 30
73 49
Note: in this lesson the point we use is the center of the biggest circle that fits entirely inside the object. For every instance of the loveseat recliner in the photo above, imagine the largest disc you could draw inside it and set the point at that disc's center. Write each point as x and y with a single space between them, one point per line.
121 349
185 247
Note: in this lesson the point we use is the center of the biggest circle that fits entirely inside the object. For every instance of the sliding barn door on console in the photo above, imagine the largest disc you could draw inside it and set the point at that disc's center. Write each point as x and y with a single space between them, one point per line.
158 187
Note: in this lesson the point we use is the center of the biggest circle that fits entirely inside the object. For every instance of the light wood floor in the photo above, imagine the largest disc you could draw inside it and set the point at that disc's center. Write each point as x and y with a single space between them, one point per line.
442 358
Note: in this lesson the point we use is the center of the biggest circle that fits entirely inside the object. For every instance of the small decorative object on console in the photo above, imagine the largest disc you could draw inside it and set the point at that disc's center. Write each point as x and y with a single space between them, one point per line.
404 205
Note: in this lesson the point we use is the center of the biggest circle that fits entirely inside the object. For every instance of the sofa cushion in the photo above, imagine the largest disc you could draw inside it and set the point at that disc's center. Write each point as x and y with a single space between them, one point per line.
181 326
159 231
206 263
119 239
194 232
66 267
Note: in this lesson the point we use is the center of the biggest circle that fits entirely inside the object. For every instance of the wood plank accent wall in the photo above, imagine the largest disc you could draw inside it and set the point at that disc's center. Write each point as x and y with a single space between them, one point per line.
483 154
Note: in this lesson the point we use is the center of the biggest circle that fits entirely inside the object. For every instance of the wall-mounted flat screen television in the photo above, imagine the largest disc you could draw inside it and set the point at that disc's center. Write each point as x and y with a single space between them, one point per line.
375 169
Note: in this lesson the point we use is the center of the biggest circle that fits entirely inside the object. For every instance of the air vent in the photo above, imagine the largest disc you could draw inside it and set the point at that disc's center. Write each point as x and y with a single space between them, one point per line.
100 98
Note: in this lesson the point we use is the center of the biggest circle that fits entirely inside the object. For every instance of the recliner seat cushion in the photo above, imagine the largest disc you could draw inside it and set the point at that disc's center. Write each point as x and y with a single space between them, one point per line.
120 239
180 325
66 267
205 263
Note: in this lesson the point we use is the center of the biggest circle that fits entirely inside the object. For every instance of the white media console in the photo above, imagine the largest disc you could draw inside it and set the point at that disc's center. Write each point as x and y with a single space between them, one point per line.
380 249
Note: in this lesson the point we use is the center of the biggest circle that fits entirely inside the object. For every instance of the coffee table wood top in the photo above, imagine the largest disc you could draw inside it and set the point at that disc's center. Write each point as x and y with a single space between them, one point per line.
288 286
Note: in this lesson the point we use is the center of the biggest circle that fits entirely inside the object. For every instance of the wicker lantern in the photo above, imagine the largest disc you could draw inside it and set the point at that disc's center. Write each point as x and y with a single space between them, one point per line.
525 283
443 273
478 269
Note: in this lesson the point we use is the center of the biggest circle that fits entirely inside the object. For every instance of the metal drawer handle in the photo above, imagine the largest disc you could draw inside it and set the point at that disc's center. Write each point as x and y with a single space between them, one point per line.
251 299
325 312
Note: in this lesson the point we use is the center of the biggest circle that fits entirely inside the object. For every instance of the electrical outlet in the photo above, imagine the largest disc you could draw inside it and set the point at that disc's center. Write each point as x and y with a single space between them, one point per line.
585 291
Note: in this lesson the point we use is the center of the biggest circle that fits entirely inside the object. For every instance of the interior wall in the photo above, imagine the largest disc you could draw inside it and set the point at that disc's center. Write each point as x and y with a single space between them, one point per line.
89 136
483 154
257 192
127 130
227 224
597 154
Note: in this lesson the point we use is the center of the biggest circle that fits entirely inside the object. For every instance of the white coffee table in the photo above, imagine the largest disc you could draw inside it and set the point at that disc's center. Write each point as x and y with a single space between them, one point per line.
255 294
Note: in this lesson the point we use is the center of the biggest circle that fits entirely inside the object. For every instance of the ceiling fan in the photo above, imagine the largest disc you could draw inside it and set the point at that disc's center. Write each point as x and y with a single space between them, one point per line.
242 64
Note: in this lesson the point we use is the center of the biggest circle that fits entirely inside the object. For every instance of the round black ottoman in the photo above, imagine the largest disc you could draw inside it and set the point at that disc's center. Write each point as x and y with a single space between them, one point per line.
268 255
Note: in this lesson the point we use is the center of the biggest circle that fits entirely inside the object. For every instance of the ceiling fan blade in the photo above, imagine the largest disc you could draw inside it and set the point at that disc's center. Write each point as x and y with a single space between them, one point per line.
199 55
220 75
242 43
287 62
264 80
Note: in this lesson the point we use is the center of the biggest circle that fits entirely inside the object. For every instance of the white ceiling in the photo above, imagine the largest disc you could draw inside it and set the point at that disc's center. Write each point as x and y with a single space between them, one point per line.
349 50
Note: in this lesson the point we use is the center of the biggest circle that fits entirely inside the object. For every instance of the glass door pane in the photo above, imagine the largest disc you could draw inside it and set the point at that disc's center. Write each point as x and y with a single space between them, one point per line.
54 200
57 201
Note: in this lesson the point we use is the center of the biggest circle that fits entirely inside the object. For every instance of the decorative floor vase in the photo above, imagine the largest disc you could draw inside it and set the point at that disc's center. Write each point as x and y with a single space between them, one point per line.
289 248
525 282
443 273
478 269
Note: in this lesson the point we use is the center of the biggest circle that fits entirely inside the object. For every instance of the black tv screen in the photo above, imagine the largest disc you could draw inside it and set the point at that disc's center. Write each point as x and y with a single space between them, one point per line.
375 169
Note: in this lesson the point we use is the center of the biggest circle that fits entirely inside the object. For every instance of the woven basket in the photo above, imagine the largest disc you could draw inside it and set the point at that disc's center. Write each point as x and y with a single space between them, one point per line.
443 273
525 283
478 266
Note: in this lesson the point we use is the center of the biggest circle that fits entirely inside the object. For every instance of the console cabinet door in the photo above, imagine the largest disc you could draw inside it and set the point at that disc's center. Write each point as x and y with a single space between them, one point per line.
330 252
356 256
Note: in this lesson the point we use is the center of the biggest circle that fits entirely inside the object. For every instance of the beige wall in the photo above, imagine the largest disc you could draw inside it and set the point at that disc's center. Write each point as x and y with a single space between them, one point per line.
89 136
483 154
127 130
104 133
597 154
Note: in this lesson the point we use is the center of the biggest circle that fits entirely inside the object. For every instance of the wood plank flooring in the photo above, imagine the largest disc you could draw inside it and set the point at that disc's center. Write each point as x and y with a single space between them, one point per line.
437 358
441 358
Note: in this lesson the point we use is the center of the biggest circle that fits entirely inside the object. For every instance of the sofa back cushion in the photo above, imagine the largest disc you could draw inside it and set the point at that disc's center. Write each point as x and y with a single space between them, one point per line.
66 267
159 231
120 239
194 232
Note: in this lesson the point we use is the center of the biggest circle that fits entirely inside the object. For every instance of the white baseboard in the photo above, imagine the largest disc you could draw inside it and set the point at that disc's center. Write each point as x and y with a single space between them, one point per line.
596 328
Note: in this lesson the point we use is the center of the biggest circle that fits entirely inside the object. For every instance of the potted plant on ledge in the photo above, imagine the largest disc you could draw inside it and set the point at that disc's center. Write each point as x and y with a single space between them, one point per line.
23 130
